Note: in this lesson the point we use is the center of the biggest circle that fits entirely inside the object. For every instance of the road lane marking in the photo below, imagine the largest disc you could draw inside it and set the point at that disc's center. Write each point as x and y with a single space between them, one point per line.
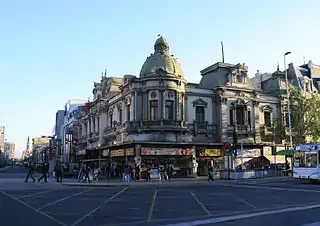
201 204
245 216
34 209
97 208
151 209
271 188
63 199
244 201
312 224
34 194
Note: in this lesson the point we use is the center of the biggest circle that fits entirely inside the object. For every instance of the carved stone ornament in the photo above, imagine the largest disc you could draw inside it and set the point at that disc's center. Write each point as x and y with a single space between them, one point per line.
223 99
256 95
255 103
199 102
128 100
153 94
119 105
240 102
220 92
266 108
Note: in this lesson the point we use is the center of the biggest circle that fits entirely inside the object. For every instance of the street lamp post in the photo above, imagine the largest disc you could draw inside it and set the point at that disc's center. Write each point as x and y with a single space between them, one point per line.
288 98
99 152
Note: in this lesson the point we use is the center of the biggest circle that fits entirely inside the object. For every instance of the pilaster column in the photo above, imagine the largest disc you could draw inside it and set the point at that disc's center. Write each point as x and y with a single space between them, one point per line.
256 121
162 104
135 105
185 108
224 119
177 106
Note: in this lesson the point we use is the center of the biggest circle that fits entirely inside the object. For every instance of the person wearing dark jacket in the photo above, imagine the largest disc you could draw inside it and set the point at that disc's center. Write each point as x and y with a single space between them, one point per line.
44 170
30 168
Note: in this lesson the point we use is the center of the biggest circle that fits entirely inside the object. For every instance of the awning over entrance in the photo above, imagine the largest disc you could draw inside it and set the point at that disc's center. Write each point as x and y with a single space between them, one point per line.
289 152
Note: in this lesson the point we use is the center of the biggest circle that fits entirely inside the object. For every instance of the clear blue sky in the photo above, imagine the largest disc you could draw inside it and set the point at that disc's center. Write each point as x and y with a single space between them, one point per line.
53 51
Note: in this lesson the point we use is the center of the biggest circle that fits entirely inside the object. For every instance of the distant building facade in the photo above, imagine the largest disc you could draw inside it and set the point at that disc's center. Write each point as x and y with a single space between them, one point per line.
58 134
10 149
41 149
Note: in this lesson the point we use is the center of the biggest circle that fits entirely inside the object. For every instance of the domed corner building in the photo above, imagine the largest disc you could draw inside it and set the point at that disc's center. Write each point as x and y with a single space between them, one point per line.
160 130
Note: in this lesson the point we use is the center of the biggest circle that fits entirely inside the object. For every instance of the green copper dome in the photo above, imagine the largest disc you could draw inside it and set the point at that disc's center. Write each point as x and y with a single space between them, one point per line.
161 61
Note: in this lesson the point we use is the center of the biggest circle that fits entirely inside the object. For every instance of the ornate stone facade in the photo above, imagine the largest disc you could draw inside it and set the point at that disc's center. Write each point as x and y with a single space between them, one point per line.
161 108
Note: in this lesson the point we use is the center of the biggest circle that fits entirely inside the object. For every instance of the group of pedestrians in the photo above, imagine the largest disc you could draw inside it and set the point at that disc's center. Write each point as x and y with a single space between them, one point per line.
44 170
31 167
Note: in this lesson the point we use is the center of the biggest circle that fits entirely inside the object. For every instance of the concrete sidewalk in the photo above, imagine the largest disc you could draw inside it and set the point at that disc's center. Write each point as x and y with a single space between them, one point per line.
118 182
175 181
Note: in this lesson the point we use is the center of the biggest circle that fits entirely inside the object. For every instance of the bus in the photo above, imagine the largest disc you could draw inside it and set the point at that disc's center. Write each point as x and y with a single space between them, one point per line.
306 162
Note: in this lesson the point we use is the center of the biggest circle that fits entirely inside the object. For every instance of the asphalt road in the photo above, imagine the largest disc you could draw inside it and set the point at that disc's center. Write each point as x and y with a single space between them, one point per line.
255 202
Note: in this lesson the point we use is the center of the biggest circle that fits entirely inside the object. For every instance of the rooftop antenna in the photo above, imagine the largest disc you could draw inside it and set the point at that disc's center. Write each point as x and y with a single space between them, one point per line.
222 51
278 67
101 75
304 60
105 72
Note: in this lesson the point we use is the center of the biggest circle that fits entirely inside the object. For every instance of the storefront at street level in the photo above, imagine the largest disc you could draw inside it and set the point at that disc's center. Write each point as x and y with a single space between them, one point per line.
187 159
209 157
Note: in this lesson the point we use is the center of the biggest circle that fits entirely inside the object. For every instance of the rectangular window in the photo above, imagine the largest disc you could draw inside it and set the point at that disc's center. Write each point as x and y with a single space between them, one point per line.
94 124
128 112
240 116
111 120
200 114
169 110
231 121
267 119
249 118
153 109
120 115
181 111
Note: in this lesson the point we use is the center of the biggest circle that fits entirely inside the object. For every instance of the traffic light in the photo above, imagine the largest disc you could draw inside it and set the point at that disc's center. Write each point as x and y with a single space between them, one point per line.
234 151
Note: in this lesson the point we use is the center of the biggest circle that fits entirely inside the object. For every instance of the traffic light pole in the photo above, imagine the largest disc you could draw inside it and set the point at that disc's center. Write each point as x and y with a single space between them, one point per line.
229 166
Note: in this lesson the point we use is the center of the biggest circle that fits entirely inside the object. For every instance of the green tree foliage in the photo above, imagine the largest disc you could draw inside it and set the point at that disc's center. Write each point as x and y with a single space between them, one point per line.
305 117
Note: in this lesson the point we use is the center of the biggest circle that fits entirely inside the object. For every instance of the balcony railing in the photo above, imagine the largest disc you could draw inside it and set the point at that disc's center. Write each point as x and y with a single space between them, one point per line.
267 133
157 125
118 127
239 129
204 127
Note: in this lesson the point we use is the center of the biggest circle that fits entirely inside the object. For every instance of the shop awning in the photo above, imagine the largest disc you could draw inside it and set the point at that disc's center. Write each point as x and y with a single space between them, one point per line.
289 152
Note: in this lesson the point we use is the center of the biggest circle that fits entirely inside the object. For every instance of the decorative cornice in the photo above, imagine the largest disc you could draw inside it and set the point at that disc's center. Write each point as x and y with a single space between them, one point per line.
199 102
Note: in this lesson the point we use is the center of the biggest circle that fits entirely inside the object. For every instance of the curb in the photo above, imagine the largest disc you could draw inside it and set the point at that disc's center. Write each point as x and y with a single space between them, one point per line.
130 185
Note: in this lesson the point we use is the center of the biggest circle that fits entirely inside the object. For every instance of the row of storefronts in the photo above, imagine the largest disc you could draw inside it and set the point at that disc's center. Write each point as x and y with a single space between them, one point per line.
187 161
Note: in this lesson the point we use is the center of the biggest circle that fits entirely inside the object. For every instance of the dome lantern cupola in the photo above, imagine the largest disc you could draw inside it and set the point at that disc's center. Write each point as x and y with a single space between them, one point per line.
161 45
161 60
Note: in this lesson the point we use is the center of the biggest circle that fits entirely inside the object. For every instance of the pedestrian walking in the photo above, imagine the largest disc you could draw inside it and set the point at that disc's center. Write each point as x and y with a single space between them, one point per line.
30 173
210 174
86 172
44 170
57 172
